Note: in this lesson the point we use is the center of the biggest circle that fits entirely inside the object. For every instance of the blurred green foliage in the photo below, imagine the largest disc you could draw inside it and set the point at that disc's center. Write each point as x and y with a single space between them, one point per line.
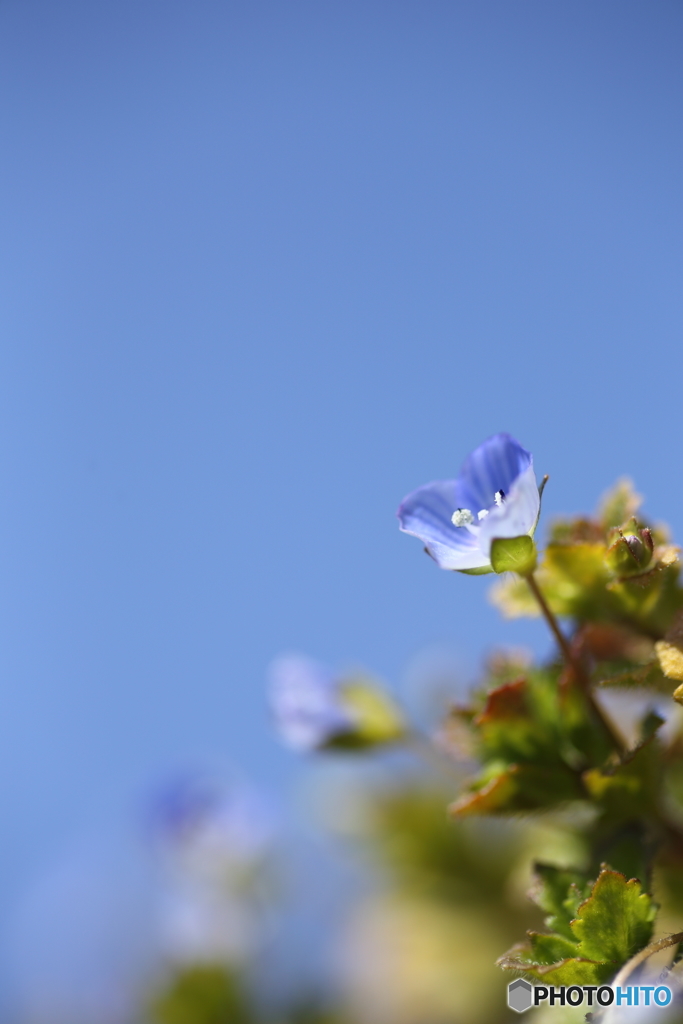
202 994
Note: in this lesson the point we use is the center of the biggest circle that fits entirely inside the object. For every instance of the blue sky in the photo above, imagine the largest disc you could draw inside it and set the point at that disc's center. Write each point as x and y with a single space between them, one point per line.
265 269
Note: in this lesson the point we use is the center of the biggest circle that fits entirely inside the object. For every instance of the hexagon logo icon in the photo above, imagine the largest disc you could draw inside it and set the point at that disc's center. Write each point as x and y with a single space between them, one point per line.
519 995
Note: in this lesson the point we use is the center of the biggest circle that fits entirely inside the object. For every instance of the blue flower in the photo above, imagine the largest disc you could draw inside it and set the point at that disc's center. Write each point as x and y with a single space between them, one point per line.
213 837
496 495
315 709
307 704
200 811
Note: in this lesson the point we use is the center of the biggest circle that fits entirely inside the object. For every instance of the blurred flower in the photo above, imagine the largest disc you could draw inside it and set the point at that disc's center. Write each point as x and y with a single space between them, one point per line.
214 839
306 703
199 925
315 709
495 496
215 830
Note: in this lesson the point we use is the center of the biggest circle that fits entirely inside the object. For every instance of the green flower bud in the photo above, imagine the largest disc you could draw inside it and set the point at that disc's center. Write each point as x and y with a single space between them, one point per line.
514 554
631 548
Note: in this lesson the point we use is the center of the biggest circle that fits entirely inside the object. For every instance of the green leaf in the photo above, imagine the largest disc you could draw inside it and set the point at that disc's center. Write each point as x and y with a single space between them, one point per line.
509 726
570 971
628 788
488 796
559 893
548 949
616 919
530 735
513 554
650 724
651 599
613 923
518 787
573 578
649 676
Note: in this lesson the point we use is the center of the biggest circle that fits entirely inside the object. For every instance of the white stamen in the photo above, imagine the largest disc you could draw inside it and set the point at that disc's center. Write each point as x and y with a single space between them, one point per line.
499 497
462 517
483 514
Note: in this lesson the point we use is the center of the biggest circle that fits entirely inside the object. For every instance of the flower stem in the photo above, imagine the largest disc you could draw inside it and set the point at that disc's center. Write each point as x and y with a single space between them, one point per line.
562 641
573 662
631 965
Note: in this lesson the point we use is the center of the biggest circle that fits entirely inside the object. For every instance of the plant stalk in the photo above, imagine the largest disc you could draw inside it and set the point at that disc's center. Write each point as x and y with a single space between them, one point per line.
574 663
631 965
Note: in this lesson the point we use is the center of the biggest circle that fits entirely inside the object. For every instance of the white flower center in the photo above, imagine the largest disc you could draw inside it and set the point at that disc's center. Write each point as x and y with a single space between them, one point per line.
464 517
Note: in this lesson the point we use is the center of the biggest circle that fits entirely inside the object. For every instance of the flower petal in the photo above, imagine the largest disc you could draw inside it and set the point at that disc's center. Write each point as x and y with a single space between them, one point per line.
459 561
427 512
516 516
493 466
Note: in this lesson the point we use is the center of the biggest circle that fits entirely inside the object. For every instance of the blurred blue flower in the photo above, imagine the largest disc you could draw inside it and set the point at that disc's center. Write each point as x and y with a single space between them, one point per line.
306 702
214 837
222 823
496 495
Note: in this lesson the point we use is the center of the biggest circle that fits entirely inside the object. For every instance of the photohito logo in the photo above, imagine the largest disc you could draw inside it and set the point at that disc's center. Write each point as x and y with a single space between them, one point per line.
522 996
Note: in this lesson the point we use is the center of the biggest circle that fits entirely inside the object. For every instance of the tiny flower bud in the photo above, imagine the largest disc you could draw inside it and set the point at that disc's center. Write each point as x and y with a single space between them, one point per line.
638 549
631 549
639 539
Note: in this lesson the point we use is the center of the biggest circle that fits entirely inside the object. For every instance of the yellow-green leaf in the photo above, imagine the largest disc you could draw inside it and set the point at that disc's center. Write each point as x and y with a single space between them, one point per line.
616 919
